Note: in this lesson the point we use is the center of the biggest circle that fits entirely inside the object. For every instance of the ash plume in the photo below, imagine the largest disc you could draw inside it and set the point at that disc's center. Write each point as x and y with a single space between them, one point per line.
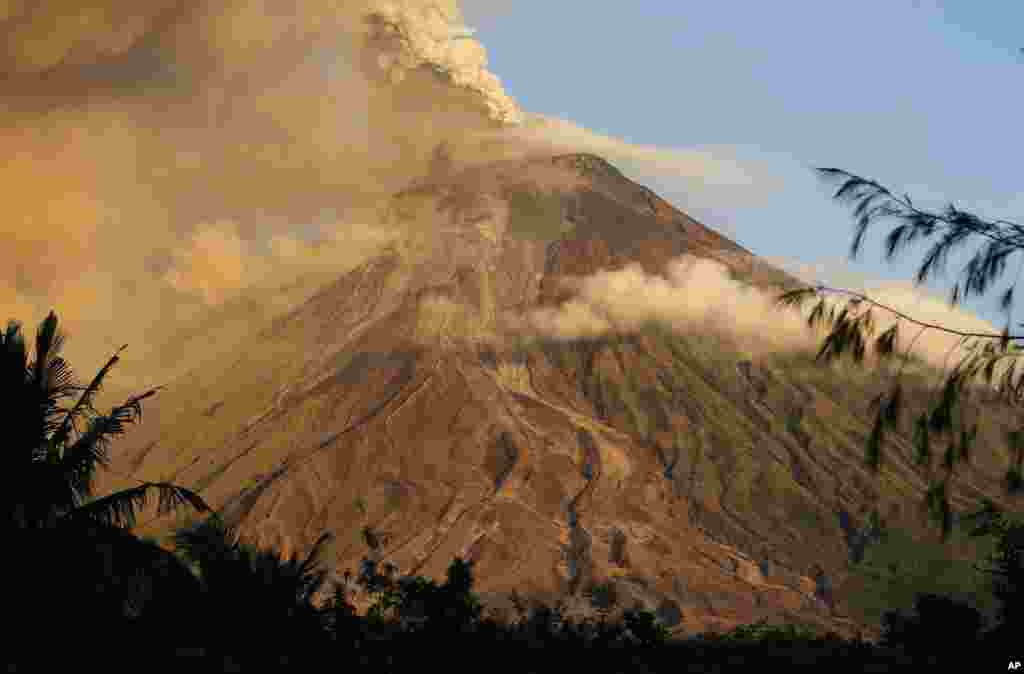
164 156
165 159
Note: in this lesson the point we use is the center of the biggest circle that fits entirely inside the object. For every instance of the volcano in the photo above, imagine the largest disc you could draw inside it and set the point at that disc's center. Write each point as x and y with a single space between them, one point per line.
710 487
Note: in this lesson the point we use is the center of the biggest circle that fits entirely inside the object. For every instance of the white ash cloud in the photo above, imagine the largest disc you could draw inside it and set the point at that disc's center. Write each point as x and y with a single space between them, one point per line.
698 295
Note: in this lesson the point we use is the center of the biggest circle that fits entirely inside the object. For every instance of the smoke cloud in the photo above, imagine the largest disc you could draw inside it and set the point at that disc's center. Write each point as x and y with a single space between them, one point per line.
698 296
695 170
164 157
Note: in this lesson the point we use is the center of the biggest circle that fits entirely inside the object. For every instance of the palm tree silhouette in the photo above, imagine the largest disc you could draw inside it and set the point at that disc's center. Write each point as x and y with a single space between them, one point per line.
253 597
52 470
66 540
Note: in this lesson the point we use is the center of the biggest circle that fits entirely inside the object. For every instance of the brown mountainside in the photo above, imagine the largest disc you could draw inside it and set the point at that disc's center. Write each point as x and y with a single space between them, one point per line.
685 475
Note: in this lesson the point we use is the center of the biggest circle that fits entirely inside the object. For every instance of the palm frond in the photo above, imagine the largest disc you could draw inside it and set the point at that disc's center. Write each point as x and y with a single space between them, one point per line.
119 509
91 447
12 333
48 344
60 379
15 354
59 384
233 570
85 400
14 375
206 542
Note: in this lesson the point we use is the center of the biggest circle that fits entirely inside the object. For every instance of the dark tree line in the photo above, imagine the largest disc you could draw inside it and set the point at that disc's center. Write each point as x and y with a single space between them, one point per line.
74 566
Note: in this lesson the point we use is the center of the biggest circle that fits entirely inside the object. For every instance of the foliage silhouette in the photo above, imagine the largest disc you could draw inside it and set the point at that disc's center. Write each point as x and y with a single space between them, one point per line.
1006 564
49 511
54 461
939 620
249 594
853 325
232 598
416 610
938 624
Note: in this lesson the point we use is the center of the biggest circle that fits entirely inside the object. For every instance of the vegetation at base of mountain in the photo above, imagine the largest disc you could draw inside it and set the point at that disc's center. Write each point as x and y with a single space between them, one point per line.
230 597
764 632
894 571
937 623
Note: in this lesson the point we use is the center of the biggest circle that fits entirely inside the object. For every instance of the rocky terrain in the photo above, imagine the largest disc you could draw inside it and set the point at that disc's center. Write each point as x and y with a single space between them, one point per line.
711 487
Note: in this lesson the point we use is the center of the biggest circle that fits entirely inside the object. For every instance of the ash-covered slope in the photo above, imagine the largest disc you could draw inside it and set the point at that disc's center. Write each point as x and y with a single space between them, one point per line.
666 464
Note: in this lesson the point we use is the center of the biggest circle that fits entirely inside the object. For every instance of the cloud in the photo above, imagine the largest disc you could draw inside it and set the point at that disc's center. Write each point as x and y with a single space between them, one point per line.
688 171
68 33
213 264
697 295
165 157
162 156
435 34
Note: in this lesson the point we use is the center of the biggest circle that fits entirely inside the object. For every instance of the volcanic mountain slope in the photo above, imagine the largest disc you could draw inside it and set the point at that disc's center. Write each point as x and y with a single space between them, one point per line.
697 482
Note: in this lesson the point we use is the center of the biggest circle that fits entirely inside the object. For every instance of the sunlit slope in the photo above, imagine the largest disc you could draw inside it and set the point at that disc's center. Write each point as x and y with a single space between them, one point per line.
665 460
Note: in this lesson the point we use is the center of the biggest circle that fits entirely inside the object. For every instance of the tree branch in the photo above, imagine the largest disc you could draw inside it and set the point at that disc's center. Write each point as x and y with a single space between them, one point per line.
936 326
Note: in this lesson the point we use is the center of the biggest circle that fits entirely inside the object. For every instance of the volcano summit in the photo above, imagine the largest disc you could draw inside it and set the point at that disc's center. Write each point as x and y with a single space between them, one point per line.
494 385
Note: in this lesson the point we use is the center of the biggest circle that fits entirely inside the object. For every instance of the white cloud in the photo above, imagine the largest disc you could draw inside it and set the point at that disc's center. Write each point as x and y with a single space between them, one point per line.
683 170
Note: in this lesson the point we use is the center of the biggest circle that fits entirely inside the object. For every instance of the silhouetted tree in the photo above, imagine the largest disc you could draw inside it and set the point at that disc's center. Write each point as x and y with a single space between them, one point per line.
52 461
853 324
1006 565
939 624
253 598
70 545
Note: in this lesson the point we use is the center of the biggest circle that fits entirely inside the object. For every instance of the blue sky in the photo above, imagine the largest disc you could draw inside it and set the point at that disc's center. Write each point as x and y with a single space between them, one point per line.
922 96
